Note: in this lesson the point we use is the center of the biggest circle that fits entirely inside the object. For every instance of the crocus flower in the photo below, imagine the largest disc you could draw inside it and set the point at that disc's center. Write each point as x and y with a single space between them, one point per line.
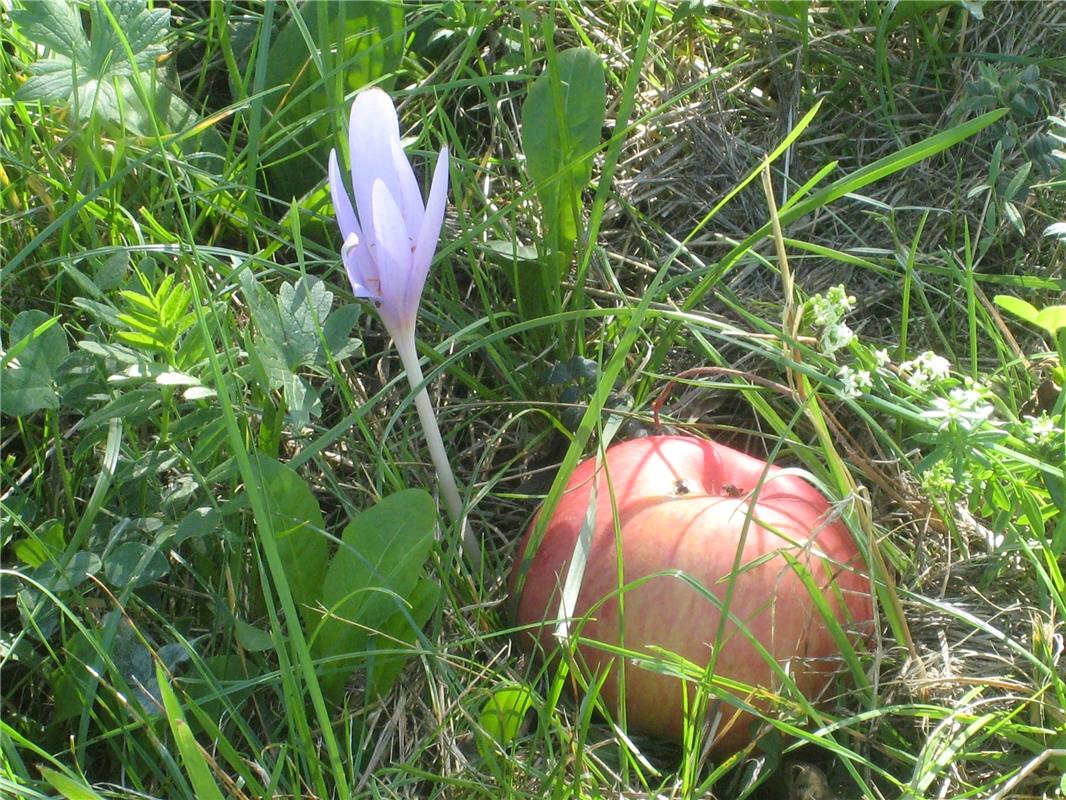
389 240
388 247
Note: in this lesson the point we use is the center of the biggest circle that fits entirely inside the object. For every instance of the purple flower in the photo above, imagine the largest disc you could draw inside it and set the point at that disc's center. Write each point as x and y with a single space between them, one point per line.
387 248
389 235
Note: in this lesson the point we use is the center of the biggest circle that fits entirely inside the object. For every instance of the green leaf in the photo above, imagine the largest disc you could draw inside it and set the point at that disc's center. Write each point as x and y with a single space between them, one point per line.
38 341
71 788
300 531
90 72
302 310
54 24
336 332
562 119
26 391
79 567
193 758
363 41
1052 318
38 347
135 564
373 574
252 638
501 718
45 544
197 523
400 630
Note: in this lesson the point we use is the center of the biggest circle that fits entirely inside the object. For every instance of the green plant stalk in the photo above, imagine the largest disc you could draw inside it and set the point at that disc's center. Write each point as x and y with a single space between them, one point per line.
405 346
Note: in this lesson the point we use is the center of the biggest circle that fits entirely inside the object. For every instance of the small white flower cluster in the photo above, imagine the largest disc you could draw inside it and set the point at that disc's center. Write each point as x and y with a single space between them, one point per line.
925 371
964 408
854 381
1041 431
829 312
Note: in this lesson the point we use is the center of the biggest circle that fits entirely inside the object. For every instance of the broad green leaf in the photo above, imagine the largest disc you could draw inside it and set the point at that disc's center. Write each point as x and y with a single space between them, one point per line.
501 718
134 663
252 638
197 523
373 574
1052 318
303 309
78 568
1015 305
46 543
26 391
336 331
38 341
135 564
562 120
300 532
89 72
401 630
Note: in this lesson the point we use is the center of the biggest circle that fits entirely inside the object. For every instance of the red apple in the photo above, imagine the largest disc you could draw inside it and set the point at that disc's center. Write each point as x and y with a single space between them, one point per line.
689 504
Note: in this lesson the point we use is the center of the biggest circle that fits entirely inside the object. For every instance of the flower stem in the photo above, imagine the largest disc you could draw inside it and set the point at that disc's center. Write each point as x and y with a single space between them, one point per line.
405 345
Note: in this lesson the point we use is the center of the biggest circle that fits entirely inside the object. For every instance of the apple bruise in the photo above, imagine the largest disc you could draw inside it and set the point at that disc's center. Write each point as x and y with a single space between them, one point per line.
704 522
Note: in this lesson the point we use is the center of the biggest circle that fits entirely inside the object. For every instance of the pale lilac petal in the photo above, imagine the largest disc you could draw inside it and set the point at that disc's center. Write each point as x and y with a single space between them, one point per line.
392 251
342 204
428 234
373 138
361 269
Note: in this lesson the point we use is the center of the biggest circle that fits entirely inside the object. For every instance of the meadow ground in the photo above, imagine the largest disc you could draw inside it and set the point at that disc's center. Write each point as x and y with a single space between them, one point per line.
224 572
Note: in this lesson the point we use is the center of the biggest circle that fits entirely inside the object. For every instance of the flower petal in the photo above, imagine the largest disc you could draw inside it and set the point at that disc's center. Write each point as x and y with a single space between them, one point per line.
429 233
374 142
410 196
362 272
392 251
342 204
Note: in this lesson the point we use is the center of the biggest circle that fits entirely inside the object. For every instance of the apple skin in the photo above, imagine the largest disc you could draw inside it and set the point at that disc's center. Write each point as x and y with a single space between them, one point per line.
682 504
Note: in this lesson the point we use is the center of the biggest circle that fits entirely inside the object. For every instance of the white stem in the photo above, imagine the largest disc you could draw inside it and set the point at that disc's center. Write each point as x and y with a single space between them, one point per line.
405 345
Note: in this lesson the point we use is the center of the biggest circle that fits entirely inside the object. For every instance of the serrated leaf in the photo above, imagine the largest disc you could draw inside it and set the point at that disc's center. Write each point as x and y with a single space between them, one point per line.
53 82
336 330
55 24
301 399
143 28
303 308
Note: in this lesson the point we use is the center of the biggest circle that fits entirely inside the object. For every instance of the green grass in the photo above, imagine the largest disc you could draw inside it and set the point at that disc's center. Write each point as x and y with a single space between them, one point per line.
159 631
